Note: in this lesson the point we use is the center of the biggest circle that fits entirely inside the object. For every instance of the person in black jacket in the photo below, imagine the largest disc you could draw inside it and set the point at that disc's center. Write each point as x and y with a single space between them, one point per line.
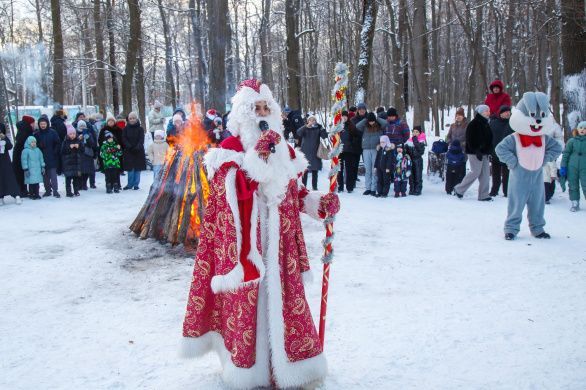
71 151
350 157
384 164
415 150
310 135
50 144
58 124
500 129
8 185
134 153
478 148
25 130
292 121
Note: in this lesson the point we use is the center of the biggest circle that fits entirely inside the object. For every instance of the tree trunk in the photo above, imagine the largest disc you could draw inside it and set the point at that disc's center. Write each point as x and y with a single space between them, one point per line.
420 66
171 94
553 27
195 16
112 55
140 88
265 58
293 64
230 66
100 76
58 53
217 14
403 27
132 53
369 12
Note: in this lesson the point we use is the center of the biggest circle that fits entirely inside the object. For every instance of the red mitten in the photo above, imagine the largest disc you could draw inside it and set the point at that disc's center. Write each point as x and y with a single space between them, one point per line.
263 146
329 205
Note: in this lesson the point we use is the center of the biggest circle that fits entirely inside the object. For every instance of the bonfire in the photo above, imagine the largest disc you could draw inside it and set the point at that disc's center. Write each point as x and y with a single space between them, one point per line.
174 208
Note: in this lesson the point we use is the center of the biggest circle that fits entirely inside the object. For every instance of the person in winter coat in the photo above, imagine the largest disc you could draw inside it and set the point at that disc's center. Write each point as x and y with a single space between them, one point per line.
457 129
292 121
71 151
415 149
402 172
456 166
24 129
88 153
310 135
58 124
33 166
171 128
497 98
208 120
550 169
49 143
500 129
371 129
8 185
134 153
351 140
111 126
574 165
397 130
478 148
156 118
384 165
111 153
219 132
157 152
361 111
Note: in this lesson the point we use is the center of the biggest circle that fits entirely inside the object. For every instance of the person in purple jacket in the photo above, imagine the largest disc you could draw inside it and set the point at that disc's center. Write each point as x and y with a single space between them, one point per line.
397 130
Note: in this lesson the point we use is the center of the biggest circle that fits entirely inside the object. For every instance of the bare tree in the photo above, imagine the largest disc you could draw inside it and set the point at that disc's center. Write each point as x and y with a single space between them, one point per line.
170 85
132 52
112 57
369 12
293 63
58 53
217 16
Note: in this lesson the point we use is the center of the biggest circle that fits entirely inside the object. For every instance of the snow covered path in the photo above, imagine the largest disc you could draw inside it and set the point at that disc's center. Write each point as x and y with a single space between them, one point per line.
425 294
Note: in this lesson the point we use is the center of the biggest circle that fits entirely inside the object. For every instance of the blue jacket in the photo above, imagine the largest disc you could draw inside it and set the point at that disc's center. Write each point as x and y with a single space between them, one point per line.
50 144
33 162
455 156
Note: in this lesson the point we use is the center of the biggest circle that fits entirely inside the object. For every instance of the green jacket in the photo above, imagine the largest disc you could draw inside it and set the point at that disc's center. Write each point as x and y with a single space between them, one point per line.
574 156
111 153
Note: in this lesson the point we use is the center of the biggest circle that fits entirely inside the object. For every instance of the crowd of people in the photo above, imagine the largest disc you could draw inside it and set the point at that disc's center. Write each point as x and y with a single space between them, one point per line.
391 152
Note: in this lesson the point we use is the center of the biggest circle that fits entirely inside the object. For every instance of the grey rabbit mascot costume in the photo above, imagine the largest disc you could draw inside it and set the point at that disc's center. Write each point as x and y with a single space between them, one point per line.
525 152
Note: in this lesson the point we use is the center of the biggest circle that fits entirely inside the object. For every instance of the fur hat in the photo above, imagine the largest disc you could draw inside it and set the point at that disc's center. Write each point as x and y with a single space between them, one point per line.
371 117
581 125
361 106
160 133
81 125
460 111
392 111
70 129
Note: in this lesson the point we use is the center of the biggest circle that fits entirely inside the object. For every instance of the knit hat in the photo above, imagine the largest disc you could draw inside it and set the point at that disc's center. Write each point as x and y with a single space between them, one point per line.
392 111
460 111
581 125
70 129
371 117
352 109
504 108
28 119
108 134
157 104
481 108
110 117
81 125
385 139
210 114
160 133
78 115
361 106
380 109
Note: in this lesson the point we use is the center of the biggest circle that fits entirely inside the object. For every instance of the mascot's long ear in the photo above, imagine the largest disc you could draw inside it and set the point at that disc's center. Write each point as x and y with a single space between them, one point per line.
530 103
542 102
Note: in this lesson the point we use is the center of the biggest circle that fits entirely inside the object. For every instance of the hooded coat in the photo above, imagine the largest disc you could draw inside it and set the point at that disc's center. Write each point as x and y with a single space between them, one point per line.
50 144
574 159
8 185
495 100
33 162
58 124
24 130
133 145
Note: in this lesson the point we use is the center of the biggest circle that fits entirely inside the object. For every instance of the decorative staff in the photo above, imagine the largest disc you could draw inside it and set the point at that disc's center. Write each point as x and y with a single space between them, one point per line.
339 96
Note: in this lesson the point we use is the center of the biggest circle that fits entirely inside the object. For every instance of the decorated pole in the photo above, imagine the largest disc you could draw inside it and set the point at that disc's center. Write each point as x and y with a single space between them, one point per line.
339 96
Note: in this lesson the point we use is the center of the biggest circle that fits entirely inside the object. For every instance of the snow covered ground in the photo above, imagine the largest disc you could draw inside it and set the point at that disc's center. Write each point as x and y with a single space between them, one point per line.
425 294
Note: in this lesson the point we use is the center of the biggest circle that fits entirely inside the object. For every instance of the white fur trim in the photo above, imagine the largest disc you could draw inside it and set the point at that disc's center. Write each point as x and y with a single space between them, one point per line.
216 157
300 162
255 257
312 201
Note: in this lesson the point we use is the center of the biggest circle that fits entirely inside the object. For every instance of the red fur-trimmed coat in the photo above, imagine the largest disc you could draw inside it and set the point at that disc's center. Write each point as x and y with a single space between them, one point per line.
247 298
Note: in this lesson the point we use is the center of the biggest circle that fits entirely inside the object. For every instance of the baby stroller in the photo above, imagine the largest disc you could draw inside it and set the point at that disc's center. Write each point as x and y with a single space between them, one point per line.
436 159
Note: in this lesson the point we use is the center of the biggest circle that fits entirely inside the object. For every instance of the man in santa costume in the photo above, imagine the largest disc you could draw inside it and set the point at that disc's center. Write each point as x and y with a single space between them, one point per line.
247 299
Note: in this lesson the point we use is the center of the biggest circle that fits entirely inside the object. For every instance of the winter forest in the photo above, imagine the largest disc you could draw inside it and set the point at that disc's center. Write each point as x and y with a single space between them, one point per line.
420 55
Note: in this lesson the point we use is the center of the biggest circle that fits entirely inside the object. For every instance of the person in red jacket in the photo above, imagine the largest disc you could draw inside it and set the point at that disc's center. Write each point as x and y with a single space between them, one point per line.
497 98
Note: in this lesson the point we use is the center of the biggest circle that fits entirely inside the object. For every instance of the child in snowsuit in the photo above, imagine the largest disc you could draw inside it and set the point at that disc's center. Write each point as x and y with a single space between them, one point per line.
402 171
71 151
456 161
384 164
157 152
415 149
33 165
574 164
111 152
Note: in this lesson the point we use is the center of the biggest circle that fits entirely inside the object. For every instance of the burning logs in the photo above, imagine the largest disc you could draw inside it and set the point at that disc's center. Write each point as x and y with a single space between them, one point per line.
174 208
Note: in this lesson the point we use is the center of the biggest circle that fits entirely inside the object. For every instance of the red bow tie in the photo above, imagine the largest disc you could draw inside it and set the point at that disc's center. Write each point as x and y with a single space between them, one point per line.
527 140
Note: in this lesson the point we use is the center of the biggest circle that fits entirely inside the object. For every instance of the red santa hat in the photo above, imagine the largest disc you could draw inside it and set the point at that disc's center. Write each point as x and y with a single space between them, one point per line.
211 114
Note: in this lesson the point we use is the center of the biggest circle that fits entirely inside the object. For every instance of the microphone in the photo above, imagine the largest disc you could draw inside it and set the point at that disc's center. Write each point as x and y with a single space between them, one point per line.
264 126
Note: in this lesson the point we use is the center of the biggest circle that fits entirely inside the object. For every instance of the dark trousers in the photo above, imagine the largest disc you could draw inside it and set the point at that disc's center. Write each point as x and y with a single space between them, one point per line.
416 178
384 182
33 190
549 190
313 179
400 187
500 174
112 178
76 181
50 180
84 180
348 171
454 176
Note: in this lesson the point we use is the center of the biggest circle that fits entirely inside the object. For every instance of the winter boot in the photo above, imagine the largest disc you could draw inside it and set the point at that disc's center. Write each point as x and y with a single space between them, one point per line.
116 189
575 206
509 236
47 194
397 195
69 194
57 195
108 188
543 235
